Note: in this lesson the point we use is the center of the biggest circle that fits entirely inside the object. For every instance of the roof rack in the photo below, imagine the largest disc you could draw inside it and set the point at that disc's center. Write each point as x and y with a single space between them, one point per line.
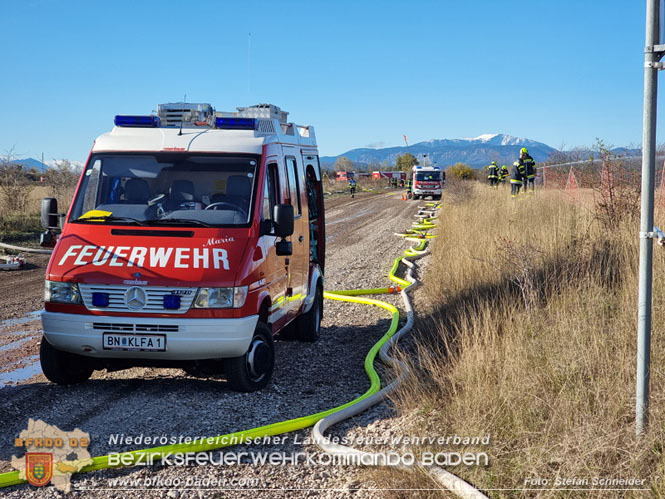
174 114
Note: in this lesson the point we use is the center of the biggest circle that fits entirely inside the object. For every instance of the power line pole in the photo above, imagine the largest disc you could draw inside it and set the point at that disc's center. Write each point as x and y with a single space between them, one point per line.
652 54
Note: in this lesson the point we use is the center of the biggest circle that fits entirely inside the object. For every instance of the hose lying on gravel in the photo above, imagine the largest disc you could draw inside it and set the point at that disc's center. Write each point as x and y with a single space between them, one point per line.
26 250
446 479
221 441
449 481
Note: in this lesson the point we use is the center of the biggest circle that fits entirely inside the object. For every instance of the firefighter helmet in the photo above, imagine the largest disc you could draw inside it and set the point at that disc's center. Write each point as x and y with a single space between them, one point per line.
523 151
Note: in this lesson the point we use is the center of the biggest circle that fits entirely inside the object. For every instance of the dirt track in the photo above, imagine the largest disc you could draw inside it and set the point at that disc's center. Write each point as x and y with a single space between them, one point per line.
308 377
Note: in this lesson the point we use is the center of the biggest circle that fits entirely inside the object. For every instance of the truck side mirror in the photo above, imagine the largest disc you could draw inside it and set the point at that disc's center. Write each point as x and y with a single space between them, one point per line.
283 220
49 217
283 248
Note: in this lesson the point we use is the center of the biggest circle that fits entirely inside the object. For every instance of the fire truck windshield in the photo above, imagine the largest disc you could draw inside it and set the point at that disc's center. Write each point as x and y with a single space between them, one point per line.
167 188
428 176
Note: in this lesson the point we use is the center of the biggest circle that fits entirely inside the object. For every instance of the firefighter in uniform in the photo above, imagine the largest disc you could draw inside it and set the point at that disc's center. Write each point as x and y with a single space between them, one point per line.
515 178
408 188
352 187
503 174
529 169
493 174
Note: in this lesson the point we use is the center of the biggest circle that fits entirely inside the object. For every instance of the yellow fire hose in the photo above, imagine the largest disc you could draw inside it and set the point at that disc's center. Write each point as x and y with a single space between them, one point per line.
221 441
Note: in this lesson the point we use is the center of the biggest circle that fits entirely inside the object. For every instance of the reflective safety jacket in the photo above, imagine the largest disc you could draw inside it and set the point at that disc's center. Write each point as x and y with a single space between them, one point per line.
493 171
516 174
503 172
529 166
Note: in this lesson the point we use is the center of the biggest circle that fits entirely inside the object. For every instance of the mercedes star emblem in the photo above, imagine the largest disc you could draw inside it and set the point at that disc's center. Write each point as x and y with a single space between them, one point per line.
135 298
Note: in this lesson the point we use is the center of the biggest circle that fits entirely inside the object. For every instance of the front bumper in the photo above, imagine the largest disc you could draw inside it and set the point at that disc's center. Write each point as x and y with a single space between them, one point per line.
186 339
427 192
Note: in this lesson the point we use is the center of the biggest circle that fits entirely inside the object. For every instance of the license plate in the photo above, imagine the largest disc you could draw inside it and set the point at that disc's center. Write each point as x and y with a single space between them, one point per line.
149 342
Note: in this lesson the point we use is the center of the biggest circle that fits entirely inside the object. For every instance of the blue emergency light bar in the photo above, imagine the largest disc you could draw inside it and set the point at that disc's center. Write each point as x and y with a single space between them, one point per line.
235 123
137 121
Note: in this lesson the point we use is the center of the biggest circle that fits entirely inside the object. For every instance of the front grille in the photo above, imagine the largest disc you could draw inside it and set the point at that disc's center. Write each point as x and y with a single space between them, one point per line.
135 328
154 298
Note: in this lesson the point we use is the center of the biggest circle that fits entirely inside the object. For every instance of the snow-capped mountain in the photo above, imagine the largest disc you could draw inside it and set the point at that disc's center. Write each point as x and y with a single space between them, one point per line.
477 151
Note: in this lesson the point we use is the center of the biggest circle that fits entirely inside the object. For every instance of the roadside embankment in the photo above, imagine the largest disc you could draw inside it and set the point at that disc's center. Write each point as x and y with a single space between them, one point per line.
530 339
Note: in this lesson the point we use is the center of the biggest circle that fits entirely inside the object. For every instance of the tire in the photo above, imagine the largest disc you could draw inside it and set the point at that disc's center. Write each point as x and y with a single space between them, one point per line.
308 325
63 368
253 370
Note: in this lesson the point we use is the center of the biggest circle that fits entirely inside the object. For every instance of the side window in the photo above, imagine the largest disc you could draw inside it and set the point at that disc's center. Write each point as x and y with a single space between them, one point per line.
294 188
270 190
92 192
312 195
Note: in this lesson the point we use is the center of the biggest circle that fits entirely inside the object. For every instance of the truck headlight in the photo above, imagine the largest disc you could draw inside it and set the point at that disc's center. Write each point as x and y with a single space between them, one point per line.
221 297
62 292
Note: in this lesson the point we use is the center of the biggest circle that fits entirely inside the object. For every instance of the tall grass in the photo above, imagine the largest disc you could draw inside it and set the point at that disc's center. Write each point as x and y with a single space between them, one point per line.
532 339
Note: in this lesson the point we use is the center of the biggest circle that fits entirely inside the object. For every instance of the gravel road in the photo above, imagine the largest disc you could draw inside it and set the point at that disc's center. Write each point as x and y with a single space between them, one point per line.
154 402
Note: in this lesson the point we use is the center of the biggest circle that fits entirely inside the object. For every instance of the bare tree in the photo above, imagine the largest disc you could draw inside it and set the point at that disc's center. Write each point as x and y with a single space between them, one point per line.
62 179
15 187
344 164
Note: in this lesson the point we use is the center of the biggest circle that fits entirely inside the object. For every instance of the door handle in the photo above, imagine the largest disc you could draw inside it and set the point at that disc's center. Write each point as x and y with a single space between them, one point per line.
301 239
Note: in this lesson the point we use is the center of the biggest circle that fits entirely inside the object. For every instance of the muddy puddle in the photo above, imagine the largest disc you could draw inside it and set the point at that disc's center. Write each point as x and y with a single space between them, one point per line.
32 316
31 367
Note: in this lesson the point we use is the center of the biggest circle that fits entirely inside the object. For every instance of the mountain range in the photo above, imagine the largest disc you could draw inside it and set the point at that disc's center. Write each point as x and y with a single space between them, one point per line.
41 167
476 152
32 163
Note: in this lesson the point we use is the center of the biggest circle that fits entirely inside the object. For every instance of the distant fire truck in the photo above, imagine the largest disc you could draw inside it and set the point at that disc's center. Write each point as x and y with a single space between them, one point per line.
377 175
427 181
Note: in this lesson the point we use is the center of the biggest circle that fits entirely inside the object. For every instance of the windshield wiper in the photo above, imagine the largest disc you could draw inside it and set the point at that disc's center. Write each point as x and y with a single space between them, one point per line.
109 218
179 221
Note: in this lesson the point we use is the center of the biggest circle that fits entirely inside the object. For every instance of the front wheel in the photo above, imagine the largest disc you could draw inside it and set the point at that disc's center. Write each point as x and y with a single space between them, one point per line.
253 370
63 368
308 325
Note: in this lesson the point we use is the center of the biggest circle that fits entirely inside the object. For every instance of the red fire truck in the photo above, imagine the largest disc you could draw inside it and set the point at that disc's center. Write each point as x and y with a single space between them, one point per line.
428 181
194 237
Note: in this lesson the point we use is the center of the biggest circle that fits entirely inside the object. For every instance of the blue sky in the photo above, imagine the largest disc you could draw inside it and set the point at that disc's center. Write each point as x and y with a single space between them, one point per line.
363 73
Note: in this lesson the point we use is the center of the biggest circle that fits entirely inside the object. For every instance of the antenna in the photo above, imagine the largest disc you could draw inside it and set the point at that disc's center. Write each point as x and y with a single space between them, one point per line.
182 118
249 66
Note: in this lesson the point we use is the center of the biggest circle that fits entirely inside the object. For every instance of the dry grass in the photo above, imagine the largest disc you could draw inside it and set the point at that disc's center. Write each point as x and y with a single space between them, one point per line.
532 340
21 226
